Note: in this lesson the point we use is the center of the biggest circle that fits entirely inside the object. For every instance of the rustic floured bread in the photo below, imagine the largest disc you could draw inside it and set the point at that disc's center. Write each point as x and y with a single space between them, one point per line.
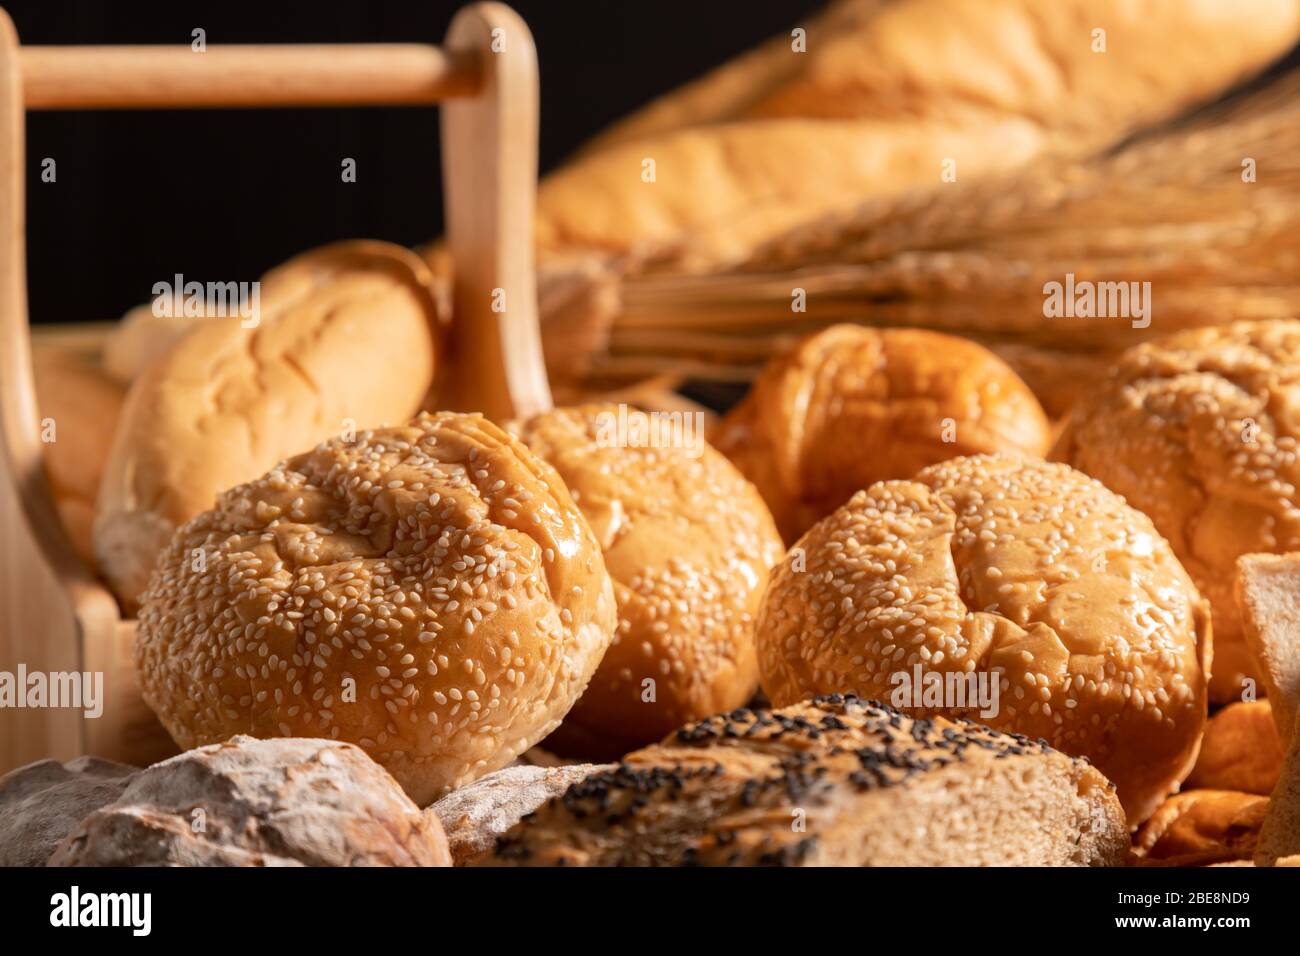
473 816
43 802
1200 827
836 781
246 802
1268 599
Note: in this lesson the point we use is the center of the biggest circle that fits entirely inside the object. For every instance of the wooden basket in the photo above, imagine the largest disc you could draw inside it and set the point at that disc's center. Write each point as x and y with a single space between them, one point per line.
55 616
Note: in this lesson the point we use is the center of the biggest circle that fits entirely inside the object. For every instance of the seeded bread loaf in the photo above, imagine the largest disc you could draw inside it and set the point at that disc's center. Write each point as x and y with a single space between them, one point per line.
345 341
832 782
1021 576
429 592
1201 431
688 543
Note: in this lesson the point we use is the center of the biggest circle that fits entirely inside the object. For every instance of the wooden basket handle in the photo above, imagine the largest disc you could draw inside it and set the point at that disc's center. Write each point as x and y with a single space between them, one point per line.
53 613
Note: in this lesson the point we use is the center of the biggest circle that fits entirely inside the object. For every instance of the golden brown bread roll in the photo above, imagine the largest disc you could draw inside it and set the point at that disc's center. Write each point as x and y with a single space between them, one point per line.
1201 827
1240 750
1268 600
1020 574
831 782
884 93
1199 430
688 542
851 406
346 340
429 592
83 405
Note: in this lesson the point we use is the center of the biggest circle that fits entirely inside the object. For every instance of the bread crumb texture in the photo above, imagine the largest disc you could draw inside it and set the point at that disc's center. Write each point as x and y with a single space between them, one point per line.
1029 573
835 781
429 592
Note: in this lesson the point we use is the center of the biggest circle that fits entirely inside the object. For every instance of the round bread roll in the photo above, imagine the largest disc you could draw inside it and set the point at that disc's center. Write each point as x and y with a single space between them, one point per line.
1199 430
429 592
688 542
345 340
1027 576
851 406
82 404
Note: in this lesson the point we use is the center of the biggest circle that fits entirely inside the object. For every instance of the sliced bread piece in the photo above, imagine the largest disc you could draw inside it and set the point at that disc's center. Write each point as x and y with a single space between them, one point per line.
1268 594
836 781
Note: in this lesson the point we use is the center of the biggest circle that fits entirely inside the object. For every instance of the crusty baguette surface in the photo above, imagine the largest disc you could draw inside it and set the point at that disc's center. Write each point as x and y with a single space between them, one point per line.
883 95
836 781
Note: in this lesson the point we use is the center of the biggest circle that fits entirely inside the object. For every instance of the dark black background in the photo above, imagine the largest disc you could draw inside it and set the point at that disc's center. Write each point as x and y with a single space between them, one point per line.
225 194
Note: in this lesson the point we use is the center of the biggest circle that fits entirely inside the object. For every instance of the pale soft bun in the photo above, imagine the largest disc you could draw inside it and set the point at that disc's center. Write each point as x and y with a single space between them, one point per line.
439 565
1199 430
851 406
140 337
83 406
688 542
346 340
1026 572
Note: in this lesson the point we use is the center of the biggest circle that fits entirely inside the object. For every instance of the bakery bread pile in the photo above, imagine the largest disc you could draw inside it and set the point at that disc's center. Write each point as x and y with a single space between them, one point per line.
862 621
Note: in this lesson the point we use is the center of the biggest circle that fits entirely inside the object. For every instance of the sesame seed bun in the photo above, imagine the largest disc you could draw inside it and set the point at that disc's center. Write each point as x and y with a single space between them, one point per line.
429 592
1199 430
851 406
1019 570
688 542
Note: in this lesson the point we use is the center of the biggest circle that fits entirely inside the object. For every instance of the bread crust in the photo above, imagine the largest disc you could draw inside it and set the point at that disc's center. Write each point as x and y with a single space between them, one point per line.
1027 573
851 406
688 543
429 592
831 782
346 341
1199 430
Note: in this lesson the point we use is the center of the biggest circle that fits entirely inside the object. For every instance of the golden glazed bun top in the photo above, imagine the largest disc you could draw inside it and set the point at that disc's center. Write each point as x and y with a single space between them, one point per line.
1199 431
851 406
429 592
688 542
1014 568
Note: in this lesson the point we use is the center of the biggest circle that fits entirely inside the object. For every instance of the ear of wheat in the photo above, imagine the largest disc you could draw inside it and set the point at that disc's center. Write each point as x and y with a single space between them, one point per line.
1172 208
